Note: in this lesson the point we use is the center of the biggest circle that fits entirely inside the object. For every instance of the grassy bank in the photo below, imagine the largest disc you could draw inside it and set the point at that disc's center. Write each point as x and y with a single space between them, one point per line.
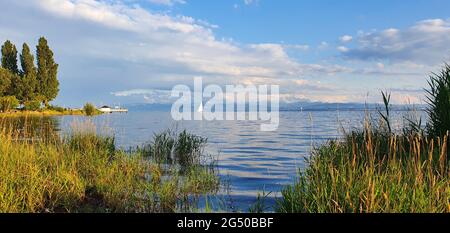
370 172
84 172
87 110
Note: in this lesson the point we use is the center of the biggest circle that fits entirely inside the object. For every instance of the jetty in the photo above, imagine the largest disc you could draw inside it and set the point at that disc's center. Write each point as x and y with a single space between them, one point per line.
117 109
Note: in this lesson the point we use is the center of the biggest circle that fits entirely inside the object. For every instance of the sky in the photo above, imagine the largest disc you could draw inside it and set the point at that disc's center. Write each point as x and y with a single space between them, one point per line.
131 51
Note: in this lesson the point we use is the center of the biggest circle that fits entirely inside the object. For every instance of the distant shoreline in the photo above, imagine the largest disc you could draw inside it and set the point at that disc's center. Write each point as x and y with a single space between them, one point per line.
42 113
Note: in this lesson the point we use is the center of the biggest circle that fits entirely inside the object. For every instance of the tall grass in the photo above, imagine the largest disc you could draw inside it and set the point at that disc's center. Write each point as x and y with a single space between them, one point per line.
367 173
374 170
84 172
438 99
183 149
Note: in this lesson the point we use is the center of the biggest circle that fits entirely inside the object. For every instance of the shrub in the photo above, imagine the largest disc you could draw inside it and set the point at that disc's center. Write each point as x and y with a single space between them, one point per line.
32 105
56 108
89 109
8 102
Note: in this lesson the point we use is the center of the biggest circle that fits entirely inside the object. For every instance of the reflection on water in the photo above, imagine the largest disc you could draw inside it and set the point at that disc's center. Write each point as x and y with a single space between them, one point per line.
250 160
31 128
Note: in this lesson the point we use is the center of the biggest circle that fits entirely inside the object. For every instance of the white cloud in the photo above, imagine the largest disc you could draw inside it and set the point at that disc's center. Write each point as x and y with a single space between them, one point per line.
249 2
301 47
323 45
167 2
426 42
346 38
236 6
342 49
380 65
149 95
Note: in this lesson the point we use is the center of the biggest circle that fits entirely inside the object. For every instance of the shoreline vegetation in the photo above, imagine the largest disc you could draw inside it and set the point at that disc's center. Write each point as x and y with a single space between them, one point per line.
373 172
88 110
85 172
379 170
24 113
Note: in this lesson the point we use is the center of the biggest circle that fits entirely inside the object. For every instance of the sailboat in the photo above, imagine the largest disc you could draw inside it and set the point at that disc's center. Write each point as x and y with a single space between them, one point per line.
200 108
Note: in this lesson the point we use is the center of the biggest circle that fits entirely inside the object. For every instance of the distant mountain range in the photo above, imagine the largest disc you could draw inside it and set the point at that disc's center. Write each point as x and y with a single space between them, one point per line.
320 106
143 107
297 106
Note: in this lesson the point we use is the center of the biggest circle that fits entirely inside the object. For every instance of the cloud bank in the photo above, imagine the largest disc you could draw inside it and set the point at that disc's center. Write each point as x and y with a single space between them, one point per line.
120 51
426 42
114 46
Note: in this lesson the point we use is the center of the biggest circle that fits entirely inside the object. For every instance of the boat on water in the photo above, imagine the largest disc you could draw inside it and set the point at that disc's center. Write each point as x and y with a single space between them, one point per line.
200 108
107 109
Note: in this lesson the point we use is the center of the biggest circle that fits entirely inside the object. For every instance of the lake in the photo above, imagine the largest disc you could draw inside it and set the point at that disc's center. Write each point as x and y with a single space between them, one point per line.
250 161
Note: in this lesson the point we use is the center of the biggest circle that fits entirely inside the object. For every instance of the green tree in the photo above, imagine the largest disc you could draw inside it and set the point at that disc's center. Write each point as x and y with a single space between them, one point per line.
9 57
9 63
32 105
16 88
8 102
47 72
29 75
5 81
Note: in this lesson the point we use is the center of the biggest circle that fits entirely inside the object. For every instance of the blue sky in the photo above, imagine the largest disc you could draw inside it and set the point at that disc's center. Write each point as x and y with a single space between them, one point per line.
132 51
308 21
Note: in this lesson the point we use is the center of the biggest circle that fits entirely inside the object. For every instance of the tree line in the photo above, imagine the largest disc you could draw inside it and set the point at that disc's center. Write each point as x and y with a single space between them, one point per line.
34 84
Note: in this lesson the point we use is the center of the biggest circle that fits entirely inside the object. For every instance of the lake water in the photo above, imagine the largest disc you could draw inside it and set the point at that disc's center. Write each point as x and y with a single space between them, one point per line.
249 160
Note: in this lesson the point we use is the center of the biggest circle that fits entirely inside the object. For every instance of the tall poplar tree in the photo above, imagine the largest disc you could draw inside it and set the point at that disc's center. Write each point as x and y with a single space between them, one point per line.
9 63
9 57
47 72
5 81
29 75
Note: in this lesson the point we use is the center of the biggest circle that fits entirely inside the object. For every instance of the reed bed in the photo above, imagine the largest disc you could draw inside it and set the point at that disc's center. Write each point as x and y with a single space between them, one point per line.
84 172
182 149
373 171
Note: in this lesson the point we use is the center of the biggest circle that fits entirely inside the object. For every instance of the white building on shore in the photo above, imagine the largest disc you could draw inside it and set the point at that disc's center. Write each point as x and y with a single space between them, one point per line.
107 109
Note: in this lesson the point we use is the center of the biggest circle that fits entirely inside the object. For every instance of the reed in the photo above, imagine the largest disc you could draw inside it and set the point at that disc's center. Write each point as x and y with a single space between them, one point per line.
373 171
438 99
182 149
84 172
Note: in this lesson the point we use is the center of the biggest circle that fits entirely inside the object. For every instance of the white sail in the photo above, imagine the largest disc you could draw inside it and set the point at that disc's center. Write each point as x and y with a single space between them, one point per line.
200 108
